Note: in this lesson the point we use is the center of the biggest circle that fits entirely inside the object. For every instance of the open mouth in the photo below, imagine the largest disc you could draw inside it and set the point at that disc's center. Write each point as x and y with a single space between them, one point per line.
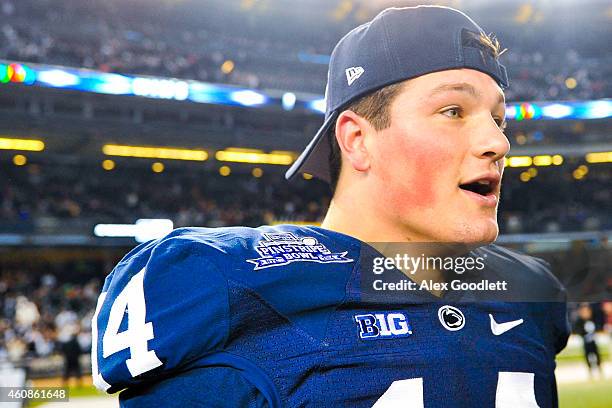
481 187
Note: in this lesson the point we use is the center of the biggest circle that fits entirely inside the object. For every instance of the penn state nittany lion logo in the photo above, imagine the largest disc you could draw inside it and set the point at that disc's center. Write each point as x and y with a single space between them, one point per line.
284 248
451 318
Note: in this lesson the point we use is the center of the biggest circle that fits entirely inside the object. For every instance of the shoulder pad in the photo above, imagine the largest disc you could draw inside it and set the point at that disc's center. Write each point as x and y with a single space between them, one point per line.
162 306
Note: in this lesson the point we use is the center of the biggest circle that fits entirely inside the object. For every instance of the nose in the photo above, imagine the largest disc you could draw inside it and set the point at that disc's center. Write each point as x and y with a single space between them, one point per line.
490 141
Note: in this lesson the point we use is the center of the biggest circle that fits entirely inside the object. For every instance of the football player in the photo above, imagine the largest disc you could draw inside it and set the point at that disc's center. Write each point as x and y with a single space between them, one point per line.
283 316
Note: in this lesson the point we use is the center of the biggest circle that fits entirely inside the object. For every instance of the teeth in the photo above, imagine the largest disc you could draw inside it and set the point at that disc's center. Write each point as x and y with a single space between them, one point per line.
484 182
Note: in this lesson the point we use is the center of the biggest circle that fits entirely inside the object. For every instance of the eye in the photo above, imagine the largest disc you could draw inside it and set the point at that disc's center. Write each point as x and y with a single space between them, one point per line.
501 123
453 112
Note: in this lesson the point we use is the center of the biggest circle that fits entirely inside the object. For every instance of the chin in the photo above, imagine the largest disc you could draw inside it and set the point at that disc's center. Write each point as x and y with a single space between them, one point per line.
481 232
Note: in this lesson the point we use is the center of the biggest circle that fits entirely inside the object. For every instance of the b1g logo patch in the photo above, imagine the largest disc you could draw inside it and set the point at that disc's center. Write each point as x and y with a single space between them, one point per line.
383 325
285 248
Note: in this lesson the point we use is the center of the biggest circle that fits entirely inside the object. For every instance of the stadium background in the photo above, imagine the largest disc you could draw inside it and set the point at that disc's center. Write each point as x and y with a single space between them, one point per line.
187 112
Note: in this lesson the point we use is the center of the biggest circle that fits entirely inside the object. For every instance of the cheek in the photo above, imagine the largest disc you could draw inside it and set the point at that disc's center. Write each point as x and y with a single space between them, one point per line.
420 179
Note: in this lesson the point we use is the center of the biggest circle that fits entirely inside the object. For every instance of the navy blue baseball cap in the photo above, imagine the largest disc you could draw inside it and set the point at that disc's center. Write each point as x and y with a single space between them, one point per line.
398 44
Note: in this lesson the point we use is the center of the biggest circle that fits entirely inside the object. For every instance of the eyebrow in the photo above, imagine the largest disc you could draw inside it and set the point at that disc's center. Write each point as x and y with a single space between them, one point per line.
462 87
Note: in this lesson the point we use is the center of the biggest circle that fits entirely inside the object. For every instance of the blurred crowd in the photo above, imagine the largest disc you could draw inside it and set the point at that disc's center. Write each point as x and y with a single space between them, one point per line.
554 201
42 196
41 315
174 39
587 319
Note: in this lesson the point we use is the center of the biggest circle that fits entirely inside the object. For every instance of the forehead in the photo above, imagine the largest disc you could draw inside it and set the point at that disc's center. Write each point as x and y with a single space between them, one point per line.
475 83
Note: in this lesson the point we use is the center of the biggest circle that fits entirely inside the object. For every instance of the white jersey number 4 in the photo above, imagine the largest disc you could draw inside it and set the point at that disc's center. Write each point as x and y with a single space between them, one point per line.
138 333
513 390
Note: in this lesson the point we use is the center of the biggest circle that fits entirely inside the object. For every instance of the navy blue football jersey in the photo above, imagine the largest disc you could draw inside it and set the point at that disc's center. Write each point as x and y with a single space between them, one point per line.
275 317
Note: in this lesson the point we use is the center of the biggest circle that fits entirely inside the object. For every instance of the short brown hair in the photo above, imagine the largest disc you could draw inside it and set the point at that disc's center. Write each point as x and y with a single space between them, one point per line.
375 108
482 41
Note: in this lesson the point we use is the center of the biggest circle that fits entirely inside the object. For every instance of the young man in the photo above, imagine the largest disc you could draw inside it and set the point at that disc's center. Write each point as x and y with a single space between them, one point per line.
286 316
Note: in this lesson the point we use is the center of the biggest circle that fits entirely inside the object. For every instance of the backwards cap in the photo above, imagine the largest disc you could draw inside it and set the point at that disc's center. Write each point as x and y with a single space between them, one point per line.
398 44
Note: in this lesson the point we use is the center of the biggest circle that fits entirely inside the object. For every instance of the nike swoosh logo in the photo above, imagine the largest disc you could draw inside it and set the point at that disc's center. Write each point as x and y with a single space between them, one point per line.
501 328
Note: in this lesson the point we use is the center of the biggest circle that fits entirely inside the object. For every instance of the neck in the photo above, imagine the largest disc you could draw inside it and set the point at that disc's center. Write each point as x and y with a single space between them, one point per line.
351 218
362 219
365 219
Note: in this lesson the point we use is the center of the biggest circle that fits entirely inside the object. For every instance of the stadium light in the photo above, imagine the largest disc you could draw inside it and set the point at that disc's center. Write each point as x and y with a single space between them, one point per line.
519 161
115 230
148 229
113 84
525 111
157 167
227 67
288 101
153 152
571 83
543 160
248 98
19 160
160 88
143 230
108 165
22 144
18 73
599 157
539 160
58 78
557 159
225 171
557 111
578 174
204 92
598 109
255 156
317 105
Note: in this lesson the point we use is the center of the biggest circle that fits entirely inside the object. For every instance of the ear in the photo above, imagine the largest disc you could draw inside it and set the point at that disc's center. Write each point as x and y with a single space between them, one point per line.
351 133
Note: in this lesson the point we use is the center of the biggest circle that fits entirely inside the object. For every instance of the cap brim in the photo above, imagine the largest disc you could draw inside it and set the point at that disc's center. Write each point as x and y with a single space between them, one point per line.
314 159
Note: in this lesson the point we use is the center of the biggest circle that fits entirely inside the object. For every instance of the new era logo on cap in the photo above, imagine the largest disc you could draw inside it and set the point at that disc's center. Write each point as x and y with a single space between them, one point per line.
353 73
